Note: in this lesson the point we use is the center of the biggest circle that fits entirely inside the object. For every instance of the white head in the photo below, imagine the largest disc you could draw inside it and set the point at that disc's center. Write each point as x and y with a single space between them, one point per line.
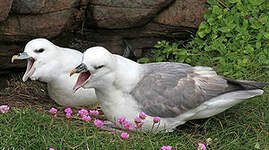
40 54
97 69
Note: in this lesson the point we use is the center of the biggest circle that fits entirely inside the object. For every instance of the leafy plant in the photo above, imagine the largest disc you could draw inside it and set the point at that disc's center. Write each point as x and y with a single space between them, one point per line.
234 39
166 51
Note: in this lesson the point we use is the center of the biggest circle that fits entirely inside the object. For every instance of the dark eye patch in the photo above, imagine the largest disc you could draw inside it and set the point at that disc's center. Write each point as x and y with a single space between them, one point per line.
98 67
39 50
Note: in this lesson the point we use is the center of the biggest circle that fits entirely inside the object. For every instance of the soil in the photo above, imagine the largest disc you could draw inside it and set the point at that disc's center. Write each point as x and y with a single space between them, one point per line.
16 93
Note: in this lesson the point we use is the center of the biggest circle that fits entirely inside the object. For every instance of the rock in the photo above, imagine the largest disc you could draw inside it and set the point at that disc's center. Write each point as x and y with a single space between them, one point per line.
7 50
42 6
26 27
119 14
141 39
5 6
107 23
186 13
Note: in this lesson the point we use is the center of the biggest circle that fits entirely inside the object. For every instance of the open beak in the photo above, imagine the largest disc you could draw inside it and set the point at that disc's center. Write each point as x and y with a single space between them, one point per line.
83 78
30 61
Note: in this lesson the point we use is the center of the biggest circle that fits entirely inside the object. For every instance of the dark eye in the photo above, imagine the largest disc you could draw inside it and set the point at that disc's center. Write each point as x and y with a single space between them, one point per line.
39 50
98 67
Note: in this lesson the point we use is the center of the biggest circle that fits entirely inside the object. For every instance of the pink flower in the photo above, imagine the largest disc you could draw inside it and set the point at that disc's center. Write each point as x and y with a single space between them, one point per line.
53 111
156 119
137 120
51 148
142 115
68 115
139 125
4 109
68 110
166 147
86 118
201 146
127 125
98 123
94 112
55 116
121 120
83 112
124 135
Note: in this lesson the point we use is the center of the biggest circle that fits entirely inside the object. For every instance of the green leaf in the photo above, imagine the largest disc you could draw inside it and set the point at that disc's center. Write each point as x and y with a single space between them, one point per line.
203 30
144 60
257 146
255 24
234 1
216 10
258 44
256 2
266 35
225 29
212 2
249 49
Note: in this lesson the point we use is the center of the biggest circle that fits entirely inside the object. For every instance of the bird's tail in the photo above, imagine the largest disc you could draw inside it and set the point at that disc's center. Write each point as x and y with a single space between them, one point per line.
248 85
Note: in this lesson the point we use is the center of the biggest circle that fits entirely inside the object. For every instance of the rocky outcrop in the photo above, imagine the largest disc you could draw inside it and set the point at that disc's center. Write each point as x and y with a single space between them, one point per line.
119 14
5 6
42 6
26 27
81 24
188 13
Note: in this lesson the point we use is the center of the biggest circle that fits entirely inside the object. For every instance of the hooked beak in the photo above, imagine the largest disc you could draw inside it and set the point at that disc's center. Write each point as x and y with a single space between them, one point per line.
23 55
83 78
80 68
30 62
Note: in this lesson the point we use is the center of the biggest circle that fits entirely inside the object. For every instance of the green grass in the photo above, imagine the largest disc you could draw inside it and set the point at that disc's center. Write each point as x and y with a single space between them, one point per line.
241 127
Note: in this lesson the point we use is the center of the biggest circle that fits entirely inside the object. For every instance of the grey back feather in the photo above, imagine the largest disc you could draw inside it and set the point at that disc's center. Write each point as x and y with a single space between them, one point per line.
170 89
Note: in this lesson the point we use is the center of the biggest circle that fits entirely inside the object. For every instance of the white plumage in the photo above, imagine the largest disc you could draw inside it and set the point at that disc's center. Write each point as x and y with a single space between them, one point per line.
175 92
52 64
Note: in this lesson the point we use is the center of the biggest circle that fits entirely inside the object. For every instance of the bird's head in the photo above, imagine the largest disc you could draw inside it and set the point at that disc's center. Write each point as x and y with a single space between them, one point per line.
38 53
96 70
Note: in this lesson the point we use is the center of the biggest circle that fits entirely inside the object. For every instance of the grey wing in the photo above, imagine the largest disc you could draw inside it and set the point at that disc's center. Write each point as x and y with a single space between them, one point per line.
169 89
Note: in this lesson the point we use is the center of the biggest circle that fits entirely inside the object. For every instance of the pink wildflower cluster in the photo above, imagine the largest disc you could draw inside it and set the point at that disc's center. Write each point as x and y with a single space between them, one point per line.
87 116
166 147
126 124
124 135
68 112
121 120
4 109
156 119
94 112
98 123
139 120
142 115
83 112
53 111
201 146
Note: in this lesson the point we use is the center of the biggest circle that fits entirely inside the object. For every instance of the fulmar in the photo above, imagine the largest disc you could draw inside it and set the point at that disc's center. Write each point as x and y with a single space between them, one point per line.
175 92
52 64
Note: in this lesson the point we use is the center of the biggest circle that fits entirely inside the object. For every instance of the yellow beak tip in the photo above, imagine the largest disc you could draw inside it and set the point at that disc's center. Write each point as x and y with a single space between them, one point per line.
13 58
72 72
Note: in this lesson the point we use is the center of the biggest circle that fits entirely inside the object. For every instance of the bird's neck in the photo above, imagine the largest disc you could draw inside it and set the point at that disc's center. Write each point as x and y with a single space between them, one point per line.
127 74
125 78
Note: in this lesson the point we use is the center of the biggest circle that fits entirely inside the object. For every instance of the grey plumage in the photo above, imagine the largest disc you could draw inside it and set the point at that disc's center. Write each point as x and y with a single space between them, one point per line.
170 89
